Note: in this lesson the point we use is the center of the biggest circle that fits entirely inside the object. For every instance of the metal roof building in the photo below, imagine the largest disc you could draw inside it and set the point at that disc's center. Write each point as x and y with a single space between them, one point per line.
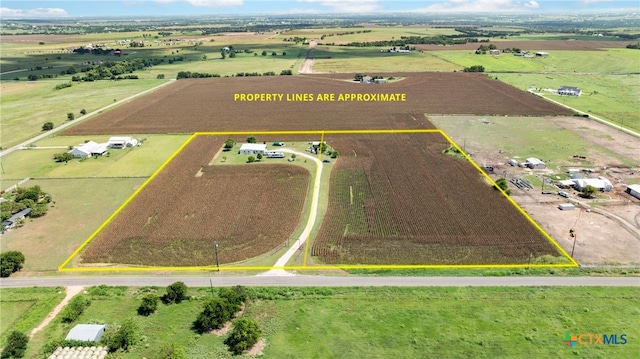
87 332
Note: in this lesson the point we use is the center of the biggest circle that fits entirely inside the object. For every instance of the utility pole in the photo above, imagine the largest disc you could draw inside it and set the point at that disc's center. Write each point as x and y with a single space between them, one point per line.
217 263
575 239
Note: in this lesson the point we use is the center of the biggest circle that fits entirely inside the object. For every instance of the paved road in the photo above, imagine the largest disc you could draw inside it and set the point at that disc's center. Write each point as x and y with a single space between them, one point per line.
77 120
321 281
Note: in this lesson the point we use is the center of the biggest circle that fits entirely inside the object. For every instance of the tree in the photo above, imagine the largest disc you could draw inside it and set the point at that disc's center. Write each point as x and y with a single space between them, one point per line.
32 77
334 154
229 143
252 139
264 52
216 311
274 53
259 156
47 126
589 191
176 293
251 159
474 68
149 304
75 308
232 54
62 157
358 77
244 335
10 262
233 297
223 54
284 53
16 345
293 155
83 112
125 337
503 185
286 73
172 351
70 116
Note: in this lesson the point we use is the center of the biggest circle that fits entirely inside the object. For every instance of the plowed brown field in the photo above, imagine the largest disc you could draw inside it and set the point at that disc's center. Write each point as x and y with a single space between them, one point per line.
397 199
175 220
197 105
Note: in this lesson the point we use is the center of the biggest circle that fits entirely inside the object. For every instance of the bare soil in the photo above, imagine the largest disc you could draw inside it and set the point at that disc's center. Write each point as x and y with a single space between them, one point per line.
70 293
257 348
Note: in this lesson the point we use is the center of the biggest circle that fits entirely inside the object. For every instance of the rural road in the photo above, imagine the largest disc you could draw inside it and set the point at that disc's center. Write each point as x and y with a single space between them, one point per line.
320 281
76 121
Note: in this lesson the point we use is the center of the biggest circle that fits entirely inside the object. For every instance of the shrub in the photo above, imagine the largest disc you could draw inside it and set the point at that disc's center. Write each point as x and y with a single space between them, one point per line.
75 308
47 126
244 335
231 296
215 313
176 293
16 345
172 351
124 337
149 304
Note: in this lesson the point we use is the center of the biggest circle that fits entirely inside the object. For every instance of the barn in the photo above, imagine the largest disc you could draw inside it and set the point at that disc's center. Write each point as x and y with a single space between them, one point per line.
602 184
634 190
252 148
535 164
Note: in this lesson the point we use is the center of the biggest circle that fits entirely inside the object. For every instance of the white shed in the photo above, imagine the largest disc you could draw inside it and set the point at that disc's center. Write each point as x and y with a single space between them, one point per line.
634 190
566 206
535 163
89 149
252 148
87 332
121 142
601 183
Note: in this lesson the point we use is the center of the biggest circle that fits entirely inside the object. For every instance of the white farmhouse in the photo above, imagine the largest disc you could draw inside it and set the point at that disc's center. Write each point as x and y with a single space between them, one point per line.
252 148
89 149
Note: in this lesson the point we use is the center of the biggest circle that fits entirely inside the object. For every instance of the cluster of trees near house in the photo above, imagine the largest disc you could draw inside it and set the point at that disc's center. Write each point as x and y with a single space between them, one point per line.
11 262
22 198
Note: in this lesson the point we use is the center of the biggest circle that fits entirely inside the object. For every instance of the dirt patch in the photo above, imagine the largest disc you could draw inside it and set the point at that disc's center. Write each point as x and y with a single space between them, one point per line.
257 348
70 293
227 326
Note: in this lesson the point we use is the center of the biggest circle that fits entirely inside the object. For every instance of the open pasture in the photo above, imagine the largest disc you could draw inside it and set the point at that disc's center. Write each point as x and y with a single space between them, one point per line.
535 45
204 105
397 199
176 219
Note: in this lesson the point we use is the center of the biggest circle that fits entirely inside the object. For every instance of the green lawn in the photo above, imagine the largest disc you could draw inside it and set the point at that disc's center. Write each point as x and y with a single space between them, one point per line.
602 62
613 97
483 322
370 60
23 309
80 207
129 162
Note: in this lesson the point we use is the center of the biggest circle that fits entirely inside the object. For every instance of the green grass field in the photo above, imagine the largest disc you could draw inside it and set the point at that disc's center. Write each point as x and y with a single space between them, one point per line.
80 207
23 309
613 97
370 59
483 322
374 34
519 138
601 62
38 162
26 106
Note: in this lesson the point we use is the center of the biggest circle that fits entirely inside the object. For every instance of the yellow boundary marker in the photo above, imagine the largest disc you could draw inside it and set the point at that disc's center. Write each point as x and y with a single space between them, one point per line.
63 267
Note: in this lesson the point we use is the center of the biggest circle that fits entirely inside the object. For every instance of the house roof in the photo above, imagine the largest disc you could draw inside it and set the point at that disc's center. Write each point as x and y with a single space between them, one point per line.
86 332
635 187
253 147
595 182
91 148
568 88
119 139
534 161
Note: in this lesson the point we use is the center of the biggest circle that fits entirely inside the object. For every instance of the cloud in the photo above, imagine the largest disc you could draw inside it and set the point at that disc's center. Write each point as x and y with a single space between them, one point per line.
482 6
347 6
591 2
206 3
32 13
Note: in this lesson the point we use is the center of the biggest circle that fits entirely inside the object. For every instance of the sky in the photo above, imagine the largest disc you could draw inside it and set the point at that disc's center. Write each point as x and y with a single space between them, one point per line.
15 9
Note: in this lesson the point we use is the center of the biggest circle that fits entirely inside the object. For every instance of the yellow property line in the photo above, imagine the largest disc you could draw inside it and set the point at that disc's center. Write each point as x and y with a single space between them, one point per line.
62 267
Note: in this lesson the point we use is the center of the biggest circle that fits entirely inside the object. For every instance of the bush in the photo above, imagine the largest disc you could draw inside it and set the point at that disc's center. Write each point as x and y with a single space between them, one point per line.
172 351
47 126
176 293
75 308
10 262
149 304
244 335
16 345
124 337
233 297
215 313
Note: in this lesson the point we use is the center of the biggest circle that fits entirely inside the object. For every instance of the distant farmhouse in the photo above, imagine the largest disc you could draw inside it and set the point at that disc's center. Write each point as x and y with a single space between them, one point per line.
569 91
20 216
122 142
634 190
542 54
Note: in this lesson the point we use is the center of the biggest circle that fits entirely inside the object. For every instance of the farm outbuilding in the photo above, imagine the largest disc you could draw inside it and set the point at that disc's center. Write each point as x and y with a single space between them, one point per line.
89 149
252 148
122 142
9 223
569 91
542 54
87 332
566 206
535 164
602 184
634 190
